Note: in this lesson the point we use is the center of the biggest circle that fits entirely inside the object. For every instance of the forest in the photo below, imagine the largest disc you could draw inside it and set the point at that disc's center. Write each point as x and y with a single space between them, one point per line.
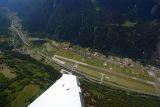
23 79
125 27
4 23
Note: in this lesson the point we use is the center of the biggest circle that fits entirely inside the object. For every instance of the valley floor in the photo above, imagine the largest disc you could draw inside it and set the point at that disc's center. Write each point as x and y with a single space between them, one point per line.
106 81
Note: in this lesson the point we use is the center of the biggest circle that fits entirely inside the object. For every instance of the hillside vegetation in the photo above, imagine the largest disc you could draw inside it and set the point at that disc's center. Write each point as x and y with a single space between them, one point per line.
23 79
4 23
123 27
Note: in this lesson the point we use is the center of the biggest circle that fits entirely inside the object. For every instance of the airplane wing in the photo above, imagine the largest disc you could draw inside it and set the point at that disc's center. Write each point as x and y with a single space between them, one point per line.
65 92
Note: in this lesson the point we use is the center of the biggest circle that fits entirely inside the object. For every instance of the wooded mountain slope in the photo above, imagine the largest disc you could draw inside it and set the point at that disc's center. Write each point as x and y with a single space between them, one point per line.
122 27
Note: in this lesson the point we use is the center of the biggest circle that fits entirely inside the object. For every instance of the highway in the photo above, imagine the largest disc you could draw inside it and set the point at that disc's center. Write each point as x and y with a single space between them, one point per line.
21 37
19 32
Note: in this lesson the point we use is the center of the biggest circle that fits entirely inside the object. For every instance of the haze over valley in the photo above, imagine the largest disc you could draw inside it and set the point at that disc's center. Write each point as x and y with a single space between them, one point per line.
112 46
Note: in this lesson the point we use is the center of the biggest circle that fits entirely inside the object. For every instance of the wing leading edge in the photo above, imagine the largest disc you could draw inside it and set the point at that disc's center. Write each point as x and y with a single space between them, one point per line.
65 92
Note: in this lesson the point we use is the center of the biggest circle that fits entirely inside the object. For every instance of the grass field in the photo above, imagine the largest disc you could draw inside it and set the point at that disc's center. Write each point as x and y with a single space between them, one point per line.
96 95
129 83
135 71
7 72
90 72
32 78
112 77
27 93
119 75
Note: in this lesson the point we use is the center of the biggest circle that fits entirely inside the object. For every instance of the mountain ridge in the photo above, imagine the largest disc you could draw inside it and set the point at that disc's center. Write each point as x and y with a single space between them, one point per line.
125 27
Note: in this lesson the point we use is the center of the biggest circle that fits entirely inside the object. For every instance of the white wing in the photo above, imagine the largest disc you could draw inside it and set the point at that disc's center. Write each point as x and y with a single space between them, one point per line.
64 93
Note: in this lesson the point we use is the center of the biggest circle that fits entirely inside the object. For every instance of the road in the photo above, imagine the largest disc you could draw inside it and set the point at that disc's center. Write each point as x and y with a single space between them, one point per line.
21 37
19 32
